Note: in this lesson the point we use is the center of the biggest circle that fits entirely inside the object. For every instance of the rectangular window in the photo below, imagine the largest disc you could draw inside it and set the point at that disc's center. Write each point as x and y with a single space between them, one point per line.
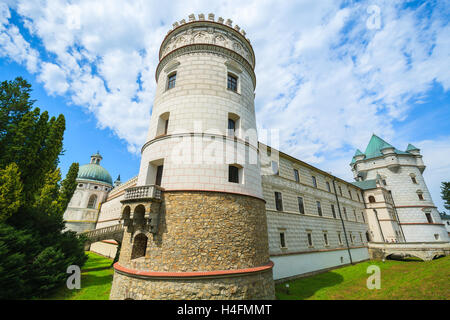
319 208
275 169
233 174
340 191
351 238
301 206
359 199
282 240
413 179
296 175
310 241
231 127
420 196
278 201
339 238
345 214
354 213
171 81
232 83
159 172
314 181
350 194
362 216
325 238
166 126
429 219
333 211
328 187
361 238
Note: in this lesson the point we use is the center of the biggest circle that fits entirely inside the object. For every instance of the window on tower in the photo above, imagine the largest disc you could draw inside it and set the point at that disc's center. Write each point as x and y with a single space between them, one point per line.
231 127
159 173
232 83
92 201
429 218
233 173
171 79
163 124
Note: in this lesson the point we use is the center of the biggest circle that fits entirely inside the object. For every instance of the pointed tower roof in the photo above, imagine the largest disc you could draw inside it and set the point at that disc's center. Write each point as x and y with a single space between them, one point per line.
357 153
376 144
411 147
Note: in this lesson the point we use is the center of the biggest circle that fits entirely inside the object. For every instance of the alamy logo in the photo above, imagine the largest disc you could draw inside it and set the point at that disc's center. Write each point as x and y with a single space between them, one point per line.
374 281
74 280
374 20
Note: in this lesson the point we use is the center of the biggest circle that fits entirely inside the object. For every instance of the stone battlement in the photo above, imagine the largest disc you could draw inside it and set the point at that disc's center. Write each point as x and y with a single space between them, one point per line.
211 17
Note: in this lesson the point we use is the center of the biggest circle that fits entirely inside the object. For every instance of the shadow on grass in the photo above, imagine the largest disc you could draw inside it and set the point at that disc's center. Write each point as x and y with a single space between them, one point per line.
303 288
95 269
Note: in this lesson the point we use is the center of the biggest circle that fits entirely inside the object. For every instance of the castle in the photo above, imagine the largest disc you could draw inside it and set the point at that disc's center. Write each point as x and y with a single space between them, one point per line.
215 214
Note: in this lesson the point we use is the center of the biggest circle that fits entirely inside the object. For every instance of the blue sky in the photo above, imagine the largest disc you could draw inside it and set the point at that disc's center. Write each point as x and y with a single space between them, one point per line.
329 73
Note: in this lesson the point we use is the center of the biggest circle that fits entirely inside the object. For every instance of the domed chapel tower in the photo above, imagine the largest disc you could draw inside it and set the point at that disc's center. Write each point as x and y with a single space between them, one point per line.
195 224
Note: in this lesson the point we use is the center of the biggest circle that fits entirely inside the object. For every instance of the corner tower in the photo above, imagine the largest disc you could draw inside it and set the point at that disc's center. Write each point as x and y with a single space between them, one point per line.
93 184
399 173
195 224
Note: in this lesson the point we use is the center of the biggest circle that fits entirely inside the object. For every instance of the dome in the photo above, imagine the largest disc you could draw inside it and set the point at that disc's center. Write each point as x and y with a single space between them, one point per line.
94 172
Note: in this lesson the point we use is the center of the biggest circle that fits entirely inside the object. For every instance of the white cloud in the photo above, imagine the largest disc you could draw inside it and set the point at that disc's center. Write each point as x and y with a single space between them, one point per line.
54 78
323 78
13 45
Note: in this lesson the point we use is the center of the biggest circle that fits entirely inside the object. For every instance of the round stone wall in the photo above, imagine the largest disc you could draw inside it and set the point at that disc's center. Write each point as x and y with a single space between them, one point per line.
243 287
217 242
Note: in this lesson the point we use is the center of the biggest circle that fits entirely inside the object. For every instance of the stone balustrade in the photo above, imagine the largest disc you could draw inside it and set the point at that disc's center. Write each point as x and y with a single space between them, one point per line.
143 192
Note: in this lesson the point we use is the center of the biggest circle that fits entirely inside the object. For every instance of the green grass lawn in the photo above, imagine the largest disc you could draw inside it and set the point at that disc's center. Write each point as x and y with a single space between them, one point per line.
400 280
96 281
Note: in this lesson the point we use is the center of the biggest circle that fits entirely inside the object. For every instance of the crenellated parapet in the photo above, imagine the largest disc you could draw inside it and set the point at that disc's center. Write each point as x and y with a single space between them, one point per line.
207 33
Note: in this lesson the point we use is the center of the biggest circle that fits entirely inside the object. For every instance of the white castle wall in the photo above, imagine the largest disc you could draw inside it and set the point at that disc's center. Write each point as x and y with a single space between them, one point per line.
298 264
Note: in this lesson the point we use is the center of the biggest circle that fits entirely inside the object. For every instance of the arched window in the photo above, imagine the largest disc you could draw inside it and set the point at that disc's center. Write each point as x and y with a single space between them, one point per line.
371 199
92 201
139 246
420 194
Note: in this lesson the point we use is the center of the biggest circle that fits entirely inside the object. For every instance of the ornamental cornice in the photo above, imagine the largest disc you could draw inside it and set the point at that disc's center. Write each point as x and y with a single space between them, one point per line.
207 32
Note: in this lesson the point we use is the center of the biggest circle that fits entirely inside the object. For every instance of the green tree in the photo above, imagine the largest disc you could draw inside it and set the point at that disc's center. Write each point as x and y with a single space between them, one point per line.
445 193
10 191
34 249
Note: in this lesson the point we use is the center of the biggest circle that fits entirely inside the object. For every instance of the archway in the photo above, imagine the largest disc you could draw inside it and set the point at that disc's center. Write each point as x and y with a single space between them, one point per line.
139 246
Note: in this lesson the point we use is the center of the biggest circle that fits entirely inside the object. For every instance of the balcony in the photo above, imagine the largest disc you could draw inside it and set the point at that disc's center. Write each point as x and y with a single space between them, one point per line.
143 192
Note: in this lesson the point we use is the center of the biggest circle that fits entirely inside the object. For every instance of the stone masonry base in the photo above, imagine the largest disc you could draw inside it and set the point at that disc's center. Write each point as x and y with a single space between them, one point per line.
240 287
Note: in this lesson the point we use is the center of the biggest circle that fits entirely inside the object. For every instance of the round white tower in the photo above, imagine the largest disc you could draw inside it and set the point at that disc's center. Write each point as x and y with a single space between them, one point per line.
195 223
401 174
93 184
